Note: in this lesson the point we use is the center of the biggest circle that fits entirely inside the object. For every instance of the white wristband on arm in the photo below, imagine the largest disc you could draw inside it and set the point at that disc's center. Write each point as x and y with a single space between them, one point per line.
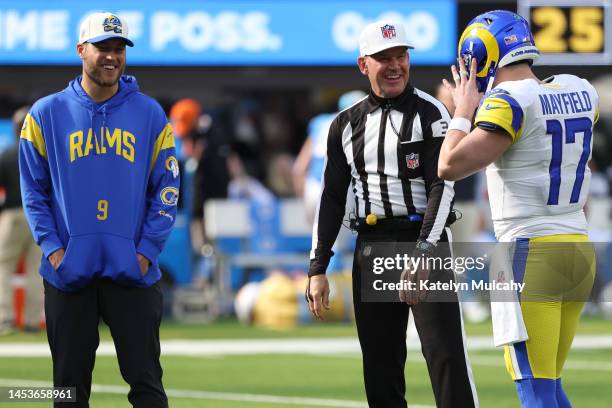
461 124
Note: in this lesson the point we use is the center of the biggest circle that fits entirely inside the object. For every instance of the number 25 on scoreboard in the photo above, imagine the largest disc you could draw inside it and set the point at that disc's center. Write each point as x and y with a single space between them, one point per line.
573 29
564 29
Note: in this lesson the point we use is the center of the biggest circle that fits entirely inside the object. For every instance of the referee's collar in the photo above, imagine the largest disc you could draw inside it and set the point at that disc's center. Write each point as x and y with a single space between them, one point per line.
399 103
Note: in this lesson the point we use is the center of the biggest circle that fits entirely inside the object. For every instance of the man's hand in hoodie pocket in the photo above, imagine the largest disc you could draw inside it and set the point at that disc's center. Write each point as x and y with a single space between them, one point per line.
56 258
144 263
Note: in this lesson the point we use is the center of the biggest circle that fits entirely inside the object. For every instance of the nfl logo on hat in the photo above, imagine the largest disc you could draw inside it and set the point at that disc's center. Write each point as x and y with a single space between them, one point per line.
388 31
382 35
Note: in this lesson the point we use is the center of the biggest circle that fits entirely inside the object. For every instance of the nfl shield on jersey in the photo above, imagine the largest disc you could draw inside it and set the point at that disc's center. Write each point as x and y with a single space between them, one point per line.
412 160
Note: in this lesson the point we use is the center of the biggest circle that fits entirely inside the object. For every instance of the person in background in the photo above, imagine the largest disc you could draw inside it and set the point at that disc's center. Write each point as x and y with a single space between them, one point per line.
308 166
190 125
279 175
206 142
242 185
16 242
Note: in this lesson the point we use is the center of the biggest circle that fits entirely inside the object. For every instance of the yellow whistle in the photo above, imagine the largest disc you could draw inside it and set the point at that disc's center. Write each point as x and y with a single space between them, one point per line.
371 219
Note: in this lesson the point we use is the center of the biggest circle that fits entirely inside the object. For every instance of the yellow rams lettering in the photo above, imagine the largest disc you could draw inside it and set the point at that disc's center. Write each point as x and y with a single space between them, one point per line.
88 144
76 145
118 141
114 140
128 142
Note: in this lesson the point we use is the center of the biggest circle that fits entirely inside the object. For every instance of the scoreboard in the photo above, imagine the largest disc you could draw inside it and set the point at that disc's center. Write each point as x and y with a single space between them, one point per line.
570 32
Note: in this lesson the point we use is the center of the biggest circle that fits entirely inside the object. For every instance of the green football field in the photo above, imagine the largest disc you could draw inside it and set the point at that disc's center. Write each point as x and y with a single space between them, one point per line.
272 379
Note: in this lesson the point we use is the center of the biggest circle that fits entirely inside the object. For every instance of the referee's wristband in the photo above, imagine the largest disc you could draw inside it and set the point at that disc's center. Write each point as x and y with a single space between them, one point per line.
461 124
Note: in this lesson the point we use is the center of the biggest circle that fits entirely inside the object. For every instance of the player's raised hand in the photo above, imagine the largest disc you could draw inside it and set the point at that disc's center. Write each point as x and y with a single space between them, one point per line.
464 92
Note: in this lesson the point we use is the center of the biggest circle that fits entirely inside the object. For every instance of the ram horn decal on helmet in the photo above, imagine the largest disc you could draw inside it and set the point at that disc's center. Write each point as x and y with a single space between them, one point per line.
496 39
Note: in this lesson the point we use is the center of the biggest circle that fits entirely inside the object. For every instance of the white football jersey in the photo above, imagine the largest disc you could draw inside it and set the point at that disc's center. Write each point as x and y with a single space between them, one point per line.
540 184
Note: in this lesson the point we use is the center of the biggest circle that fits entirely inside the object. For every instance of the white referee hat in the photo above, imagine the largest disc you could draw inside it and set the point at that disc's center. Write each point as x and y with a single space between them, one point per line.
382 35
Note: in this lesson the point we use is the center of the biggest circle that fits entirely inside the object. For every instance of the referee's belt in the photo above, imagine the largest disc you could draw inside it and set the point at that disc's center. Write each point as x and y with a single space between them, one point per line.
373 223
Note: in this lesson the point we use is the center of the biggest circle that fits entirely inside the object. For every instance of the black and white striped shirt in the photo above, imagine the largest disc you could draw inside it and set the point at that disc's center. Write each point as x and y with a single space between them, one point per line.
387 149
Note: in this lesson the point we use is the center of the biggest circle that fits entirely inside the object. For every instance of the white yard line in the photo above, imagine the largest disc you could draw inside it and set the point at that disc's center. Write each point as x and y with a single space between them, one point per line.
211 395
491 361
277 346
346 347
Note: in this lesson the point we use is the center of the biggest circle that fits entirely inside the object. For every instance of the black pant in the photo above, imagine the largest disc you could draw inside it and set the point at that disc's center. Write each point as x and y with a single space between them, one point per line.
381 328
133 316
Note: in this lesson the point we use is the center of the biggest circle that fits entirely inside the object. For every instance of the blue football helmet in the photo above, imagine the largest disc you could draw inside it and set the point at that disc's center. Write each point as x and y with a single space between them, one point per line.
496 39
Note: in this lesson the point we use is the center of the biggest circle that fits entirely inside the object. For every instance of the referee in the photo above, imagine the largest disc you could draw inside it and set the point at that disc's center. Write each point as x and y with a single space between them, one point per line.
386 146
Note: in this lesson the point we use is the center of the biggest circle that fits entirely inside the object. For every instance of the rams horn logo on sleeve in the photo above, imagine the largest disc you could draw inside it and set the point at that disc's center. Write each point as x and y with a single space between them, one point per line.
112 23
169 195
172 165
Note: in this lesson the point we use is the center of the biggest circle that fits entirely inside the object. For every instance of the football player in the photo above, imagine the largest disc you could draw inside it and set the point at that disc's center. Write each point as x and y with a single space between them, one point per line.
535 138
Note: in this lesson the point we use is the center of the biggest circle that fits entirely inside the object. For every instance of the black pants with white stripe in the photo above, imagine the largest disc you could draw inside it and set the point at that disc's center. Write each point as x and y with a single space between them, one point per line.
133 316
381 328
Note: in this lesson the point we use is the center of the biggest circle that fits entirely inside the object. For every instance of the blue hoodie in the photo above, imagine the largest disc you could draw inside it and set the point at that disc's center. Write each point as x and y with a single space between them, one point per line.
101 181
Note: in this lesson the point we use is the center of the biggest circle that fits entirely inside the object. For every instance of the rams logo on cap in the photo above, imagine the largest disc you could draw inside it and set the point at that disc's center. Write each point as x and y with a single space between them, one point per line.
112 23
169 195
172 165
388 31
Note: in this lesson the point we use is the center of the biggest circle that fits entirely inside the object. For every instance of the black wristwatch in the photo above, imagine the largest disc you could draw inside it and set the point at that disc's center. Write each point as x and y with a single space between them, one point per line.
424 247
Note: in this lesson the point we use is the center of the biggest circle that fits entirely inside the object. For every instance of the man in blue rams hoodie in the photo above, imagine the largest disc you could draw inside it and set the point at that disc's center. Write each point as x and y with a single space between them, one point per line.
100 180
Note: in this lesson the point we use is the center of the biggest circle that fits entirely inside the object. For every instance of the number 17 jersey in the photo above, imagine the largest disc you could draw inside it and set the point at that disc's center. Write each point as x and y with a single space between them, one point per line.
540 184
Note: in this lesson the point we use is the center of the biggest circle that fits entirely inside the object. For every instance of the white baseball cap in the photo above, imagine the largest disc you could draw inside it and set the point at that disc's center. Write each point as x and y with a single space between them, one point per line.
101 26
381 35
